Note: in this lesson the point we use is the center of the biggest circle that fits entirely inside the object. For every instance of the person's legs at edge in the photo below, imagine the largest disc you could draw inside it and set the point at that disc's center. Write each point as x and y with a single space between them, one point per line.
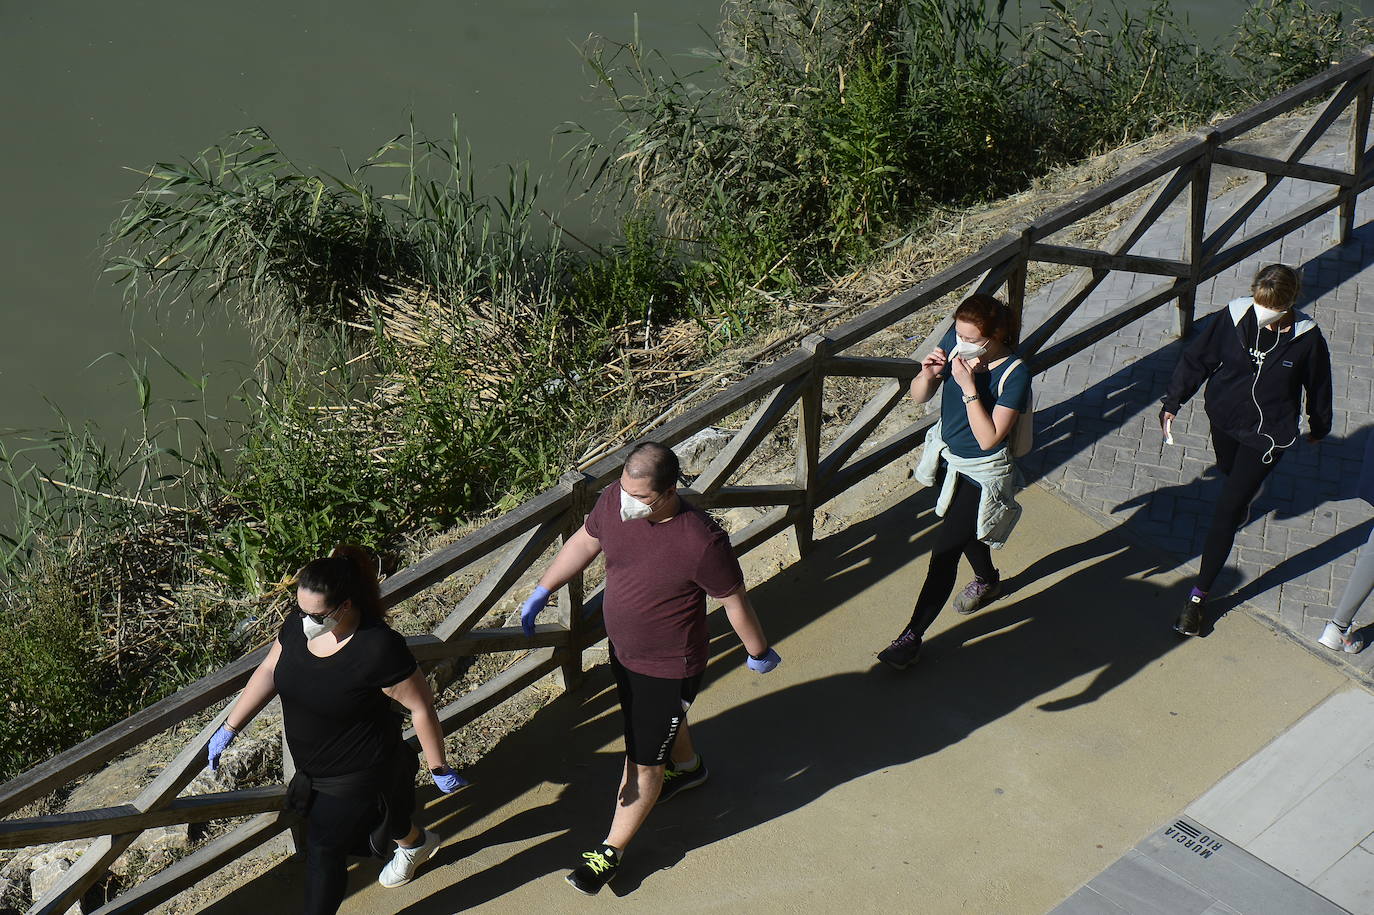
655 713
1245 471
333 827
412 845
953 535
1340 632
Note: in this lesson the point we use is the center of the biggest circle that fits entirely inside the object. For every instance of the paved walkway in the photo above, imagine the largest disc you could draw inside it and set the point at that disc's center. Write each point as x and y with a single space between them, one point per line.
1034 744
1098 440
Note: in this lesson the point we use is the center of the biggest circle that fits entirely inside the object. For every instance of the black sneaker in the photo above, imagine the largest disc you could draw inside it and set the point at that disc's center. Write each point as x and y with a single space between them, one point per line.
597 870
676 781
903 651
1189 622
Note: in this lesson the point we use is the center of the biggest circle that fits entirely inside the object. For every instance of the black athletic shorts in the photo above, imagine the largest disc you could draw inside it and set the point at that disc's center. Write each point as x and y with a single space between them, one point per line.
654 710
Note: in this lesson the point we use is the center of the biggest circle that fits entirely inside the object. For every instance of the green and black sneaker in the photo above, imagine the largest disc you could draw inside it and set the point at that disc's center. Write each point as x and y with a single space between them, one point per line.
596 870
676 781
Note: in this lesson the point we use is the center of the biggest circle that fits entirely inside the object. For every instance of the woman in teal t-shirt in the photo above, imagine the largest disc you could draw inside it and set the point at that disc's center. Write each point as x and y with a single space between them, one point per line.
977 413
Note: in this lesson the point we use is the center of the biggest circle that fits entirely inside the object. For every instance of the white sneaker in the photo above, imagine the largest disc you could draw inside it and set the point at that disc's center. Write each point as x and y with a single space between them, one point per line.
406 861
1338 639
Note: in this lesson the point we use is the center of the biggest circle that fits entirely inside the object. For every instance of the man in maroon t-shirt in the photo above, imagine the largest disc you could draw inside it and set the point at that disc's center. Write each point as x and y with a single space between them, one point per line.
663 557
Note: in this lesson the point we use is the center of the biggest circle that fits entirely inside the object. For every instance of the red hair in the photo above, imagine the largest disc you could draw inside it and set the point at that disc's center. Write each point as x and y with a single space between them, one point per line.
993 318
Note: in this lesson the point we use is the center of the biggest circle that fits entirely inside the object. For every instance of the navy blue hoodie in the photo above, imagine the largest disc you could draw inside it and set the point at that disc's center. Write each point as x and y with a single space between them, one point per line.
1261 412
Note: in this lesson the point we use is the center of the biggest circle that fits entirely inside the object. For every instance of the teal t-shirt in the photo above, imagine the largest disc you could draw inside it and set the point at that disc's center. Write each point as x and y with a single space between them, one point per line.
954 427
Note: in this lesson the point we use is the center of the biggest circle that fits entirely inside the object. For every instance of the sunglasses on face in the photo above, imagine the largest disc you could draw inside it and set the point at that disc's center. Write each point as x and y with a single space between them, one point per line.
317 618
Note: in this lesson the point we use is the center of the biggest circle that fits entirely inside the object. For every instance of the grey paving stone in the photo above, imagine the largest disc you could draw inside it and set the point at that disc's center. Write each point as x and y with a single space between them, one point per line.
1276 780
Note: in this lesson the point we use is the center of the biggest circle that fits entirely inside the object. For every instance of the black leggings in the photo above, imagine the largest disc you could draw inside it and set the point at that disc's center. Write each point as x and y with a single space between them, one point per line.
364 824
956 535
1245 472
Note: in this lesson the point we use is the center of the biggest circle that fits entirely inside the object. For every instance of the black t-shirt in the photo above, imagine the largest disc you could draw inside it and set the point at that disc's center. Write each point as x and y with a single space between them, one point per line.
337 718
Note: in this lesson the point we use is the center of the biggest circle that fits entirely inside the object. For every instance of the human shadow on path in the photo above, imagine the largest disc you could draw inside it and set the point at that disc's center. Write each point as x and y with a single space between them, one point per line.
779 751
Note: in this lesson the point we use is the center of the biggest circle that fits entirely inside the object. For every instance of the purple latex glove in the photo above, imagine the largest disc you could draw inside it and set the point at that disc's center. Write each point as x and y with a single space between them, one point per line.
532 607
219 743
764 664
447 780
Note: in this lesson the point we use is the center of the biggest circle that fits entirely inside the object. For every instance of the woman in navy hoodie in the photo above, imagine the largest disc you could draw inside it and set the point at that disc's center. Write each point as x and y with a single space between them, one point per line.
1258 357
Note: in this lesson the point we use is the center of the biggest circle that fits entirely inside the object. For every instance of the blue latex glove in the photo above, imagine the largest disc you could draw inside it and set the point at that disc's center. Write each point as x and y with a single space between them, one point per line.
764 664
532 607
448 781
218 744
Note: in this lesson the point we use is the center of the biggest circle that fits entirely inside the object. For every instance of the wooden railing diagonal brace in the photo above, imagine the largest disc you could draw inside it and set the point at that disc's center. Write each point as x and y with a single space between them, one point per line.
742 445
1324 119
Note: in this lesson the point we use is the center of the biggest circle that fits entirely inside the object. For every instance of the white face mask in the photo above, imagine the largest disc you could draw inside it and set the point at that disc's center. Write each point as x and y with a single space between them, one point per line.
632 509
965 350
1268 316
314 629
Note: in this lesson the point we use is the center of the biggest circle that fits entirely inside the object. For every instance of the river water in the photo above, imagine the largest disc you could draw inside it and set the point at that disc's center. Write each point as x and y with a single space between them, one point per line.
94 89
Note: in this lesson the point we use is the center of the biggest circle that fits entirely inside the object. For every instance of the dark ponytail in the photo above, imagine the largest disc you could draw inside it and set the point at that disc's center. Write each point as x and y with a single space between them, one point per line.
348 574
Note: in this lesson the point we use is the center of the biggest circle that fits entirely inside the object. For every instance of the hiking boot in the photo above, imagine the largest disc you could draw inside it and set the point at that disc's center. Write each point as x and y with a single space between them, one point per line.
676 781
1338 639
977 593
1189 622
596 871
406 861
903 651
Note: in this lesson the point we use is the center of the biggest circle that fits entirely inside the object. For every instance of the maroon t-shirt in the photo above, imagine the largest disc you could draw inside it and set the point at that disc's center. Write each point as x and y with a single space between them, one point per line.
657 579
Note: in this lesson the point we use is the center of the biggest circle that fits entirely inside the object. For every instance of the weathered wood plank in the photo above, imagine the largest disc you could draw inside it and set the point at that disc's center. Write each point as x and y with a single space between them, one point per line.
1106 260
991 256
1296 150
95 861
1180 155
762 529
1356 159
872 367
493 692
743 392
758 495
1196 237
1137 308
488 641
519 557
1239 251
765 418
809 420
482 542
196 866
1296 97
861 427
1279 167
84 824
130 732
878 457
1122 240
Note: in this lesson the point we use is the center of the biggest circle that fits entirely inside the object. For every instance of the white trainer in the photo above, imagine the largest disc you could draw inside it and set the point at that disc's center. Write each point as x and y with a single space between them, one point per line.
1338 639
406 861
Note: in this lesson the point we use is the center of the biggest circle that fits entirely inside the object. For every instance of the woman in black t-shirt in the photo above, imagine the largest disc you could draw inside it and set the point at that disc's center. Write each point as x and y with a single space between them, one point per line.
337 666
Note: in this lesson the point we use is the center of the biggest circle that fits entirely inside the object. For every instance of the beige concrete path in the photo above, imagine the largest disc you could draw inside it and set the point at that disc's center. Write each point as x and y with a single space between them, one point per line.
1032 746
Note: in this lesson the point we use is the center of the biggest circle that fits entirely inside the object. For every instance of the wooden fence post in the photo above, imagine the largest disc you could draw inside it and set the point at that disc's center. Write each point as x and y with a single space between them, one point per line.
570 668
1359 135
1016 276
809 443
1193 244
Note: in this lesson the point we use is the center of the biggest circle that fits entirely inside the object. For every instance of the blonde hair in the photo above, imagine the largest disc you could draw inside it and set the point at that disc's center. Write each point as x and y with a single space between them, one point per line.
1276 287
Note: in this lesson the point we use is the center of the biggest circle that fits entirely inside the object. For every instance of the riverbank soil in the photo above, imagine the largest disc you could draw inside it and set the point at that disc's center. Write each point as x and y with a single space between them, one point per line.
1031 746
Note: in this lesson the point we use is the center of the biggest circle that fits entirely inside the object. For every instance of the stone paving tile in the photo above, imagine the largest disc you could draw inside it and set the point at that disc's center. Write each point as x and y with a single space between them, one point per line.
1098 442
